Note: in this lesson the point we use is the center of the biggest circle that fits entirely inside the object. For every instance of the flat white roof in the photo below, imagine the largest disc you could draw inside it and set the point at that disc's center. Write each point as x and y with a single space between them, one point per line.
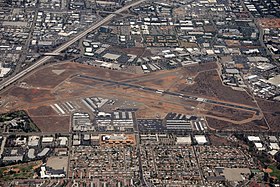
184 140
63 140
275 80
111 56
4 71
273 152
13 158
258 145
47 139
272 138
254 138
44 152
274 146
201 139
33 140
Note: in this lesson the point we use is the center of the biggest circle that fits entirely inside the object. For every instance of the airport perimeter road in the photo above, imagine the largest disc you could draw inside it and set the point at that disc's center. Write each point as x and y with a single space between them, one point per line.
175 94
41 61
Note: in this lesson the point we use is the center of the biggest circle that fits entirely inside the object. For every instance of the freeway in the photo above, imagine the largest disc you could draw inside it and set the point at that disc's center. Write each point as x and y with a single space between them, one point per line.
64 46
180 95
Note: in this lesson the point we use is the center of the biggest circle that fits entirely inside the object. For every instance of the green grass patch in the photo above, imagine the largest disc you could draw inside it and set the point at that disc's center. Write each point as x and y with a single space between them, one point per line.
275 172
26 171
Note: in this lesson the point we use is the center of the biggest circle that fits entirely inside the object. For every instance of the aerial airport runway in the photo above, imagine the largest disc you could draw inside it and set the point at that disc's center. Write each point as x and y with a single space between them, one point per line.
189 97
64 46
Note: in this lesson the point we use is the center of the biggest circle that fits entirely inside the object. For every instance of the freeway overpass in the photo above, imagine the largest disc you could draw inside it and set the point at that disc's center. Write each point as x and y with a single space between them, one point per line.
64 46
52 54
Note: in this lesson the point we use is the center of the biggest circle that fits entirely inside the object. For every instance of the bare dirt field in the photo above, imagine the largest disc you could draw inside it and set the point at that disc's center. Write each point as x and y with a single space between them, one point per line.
187 44
208 84
232 43
159 81
30 95
219 141
85 82
138 51
41 111
135 50
52 123
269 22
231 113
47 78
195 69
56 162
256 125
271 110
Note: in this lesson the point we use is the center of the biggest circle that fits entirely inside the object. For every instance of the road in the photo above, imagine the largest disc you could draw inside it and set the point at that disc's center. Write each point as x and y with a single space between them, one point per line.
175 94
260 39
3 146
261 31
64 46
137 133
25 49
199 167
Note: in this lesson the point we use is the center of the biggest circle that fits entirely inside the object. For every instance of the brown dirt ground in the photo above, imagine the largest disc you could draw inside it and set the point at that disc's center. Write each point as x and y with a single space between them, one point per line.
86 81
271 111
161 83
232 43
41 111
135 50
209 28
52 123
257 125
208 84
268 170
195 69
231 113
30 95
45 77
187 44
219 141
269 22
139 51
